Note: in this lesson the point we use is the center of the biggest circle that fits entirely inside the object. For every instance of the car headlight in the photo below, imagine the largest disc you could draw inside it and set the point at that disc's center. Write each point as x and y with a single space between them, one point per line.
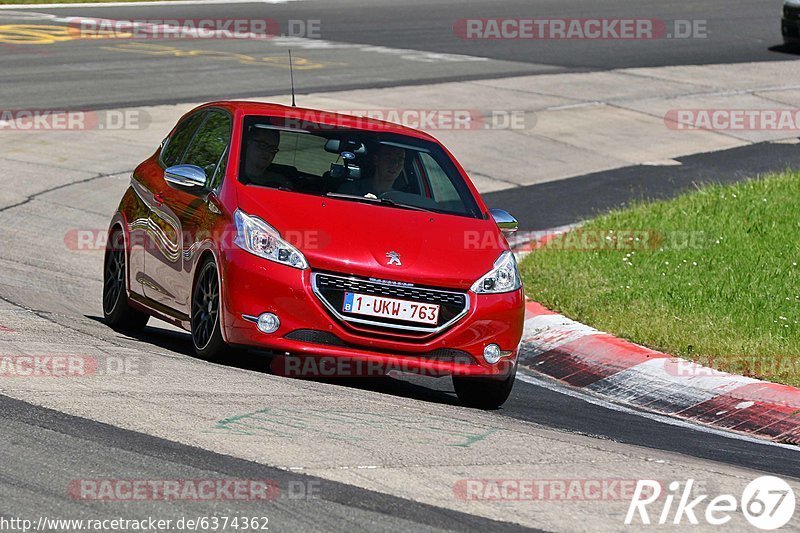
261 239
504 277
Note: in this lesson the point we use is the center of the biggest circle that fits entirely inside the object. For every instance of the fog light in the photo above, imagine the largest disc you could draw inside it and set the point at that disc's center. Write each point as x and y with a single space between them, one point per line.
492 354
268 323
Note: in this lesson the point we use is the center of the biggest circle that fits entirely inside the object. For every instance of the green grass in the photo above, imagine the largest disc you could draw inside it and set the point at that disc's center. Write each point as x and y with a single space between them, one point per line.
714 276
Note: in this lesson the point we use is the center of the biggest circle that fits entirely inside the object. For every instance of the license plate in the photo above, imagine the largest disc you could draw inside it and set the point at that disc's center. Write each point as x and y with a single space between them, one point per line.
365 304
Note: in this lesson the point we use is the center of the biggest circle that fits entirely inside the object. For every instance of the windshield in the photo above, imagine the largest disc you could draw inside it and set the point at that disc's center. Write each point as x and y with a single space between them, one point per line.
384 168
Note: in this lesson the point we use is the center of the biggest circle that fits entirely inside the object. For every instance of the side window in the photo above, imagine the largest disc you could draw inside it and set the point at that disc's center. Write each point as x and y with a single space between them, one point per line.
443 190
176 145
209 142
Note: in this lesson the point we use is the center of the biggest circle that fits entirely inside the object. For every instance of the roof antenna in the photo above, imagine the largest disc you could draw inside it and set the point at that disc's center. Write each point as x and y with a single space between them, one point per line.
291 74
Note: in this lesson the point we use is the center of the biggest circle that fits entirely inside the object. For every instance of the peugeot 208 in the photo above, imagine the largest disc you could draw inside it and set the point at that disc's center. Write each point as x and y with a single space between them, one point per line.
318 235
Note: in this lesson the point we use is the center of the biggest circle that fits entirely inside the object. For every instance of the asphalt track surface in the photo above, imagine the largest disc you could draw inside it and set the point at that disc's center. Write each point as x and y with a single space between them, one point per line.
113 73
70 444
49 449
82 75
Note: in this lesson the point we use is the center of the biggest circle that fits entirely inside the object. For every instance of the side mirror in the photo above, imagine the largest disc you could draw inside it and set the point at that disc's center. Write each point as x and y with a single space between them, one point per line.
504 221
186 177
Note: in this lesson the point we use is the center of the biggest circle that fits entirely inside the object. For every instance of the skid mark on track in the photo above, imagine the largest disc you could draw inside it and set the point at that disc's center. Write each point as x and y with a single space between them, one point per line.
355 427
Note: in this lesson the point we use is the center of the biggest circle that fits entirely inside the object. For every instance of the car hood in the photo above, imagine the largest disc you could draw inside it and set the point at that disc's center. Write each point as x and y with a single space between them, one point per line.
356 238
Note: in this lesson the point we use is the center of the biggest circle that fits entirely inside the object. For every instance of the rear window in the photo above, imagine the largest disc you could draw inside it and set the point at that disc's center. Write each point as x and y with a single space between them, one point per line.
306 153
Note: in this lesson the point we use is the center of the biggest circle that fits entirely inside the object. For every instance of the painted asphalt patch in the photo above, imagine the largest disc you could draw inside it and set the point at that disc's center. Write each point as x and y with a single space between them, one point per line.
208 68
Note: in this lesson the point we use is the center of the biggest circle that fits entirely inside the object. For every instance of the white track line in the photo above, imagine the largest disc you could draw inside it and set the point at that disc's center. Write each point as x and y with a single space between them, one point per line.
596 400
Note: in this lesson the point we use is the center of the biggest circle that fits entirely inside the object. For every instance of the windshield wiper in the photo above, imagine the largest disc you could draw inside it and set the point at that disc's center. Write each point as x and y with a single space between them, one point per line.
380 201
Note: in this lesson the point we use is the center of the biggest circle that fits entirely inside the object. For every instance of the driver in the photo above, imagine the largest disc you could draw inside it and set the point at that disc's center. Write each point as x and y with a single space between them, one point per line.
389 162
262 147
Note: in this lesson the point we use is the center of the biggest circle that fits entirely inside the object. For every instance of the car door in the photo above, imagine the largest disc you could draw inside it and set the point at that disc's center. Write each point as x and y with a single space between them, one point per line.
180 214
147 182
157 237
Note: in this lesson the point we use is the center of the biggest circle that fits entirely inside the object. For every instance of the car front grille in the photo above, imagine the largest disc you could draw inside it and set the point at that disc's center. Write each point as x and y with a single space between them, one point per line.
331 288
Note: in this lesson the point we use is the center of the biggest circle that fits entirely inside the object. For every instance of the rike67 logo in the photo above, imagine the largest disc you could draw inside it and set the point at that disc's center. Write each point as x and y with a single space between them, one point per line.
767 503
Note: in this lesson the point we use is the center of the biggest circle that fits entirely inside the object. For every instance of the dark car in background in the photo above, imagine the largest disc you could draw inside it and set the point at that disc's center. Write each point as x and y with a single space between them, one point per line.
790 24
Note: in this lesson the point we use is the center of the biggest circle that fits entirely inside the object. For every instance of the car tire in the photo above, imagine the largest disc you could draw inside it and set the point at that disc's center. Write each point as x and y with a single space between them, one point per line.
116 308
484 393
206 323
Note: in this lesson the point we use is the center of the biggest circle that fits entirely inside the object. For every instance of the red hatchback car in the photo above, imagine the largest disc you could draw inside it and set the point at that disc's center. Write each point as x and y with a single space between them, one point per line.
318 235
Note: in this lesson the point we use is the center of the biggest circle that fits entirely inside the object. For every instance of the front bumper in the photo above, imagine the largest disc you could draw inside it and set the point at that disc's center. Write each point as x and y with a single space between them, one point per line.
252 286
